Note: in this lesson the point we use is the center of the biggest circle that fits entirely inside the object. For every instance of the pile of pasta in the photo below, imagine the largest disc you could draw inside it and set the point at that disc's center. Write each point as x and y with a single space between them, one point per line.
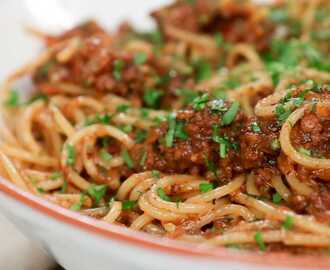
97 97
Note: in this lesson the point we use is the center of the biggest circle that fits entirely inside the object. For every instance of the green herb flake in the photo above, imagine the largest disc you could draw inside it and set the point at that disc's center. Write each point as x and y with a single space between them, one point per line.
64 187
277 198
161 193
105 142
304 151
143 159
71 155
104 155
255 127
77 206
259 240
122 108
187 95
223 150
41 190
199 102
55 175
128 205
141 135
217 105
36 97
203 70
126 128
288 223
13 99
218 40
230 115
275 144
118 66
191 2
127 159
211 166
140 58
155 174
144 113
206 187
103 119
152 98
281 113
97 192
169 138
179 131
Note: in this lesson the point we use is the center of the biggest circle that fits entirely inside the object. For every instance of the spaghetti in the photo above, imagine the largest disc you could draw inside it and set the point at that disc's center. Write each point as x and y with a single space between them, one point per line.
214 128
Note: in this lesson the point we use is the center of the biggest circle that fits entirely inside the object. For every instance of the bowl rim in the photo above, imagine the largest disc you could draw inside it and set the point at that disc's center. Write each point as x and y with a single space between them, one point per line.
149 242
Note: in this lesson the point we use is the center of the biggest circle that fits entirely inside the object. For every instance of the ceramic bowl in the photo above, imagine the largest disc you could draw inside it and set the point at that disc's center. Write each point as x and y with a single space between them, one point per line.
78 242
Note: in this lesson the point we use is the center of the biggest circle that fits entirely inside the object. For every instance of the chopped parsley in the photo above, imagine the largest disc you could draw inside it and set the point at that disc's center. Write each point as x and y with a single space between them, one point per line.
305 151
140 58
97 192
105 141
122 108
64 187
224 145
218 40
288 223
217 105
144 113
230 115
169 138
43 71
206 187
118 66
259 240
223 141
187 95
277 198
13 100
191 2
128 205
152 98
55 175
220 94
71 155
211 166
104 155
161 193
156 38
126 128
199 102
281 113
275 144
223 150
77 206
255 127
102 119
179 131
141 135
155 173
279 15
40 190
127 159
143 159
36 97
203 70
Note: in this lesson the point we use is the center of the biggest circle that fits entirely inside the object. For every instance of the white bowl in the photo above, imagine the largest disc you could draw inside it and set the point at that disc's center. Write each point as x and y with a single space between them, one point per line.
78 242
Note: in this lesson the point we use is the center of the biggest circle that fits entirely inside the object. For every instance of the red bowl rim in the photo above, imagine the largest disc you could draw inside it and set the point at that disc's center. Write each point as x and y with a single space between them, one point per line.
153 243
